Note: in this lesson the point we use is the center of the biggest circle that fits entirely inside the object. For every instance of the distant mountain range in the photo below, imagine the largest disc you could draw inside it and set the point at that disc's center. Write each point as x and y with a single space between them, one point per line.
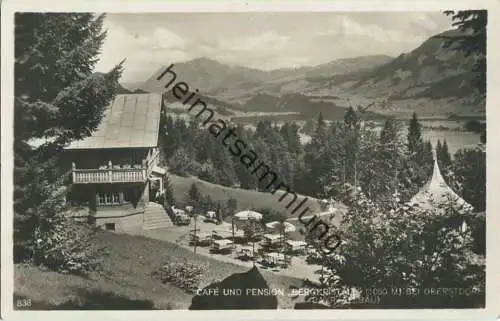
210 76
428 75
122 90
431 80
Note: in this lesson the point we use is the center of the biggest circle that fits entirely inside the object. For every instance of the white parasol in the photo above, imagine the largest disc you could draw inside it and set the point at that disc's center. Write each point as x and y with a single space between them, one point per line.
248 215
288 227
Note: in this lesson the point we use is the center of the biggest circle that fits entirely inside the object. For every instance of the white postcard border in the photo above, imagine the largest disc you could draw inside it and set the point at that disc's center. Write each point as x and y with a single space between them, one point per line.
492 309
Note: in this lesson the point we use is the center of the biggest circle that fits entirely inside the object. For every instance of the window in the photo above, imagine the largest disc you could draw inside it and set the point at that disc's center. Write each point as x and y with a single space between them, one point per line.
110 226
108 198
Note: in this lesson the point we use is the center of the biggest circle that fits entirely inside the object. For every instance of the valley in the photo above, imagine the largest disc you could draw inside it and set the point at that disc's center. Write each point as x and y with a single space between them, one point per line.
433 80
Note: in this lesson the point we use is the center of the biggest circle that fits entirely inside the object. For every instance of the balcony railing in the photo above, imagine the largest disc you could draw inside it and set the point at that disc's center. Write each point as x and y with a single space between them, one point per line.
109 175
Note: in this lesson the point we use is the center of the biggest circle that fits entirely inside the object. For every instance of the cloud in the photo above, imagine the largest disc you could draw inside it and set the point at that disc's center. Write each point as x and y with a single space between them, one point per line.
269 41
260 41
347 27
268 50
144 53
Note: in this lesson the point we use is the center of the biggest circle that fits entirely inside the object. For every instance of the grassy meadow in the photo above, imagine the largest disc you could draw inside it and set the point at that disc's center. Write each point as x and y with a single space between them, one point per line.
126 281
246 199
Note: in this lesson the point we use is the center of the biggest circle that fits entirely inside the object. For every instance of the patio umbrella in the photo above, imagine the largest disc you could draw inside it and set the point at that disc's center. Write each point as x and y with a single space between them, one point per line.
288 227
248 215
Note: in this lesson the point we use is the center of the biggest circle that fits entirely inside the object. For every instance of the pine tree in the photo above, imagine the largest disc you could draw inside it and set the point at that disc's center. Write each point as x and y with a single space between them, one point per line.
182 163
417 165
290 133
482 138
444 161
439 148
194 196
219 213
57 96
415 141
445 155
169 194
221 159
320 124
351 146
469 168
231 205
263 150
385 166
316 162
167 139
251 230
472 41
427 160
350 118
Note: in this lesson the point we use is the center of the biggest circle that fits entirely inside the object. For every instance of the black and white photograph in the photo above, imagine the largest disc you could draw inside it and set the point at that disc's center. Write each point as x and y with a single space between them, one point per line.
268 160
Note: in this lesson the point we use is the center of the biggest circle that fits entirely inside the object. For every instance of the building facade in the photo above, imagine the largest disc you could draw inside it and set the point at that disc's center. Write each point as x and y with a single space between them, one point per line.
115 172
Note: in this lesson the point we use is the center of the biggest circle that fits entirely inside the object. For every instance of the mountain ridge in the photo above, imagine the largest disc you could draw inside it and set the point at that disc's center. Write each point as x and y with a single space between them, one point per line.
209 75
431 79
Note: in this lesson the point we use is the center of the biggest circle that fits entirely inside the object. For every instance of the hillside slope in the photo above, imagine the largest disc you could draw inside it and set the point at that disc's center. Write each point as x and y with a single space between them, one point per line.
246 199
432 80
206 75
214 78
429 79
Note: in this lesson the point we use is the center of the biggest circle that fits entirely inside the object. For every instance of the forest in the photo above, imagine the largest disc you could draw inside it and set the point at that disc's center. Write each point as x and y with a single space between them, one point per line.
352 151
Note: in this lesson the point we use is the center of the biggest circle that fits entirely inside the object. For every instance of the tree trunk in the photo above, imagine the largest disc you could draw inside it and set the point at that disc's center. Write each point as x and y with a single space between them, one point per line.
195 240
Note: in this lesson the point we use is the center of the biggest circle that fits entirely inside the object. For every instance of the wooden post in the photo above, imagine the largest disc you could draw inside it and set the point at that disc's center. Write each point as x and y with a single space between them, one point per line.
195 241
345 174
355 177
232 226
283 240
110 171
73 167
253 250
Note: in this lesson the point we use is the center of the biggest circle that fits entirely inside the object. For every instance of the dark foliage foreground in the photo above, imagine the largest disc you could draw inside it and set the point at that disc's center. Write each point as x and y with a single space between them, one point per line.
94 300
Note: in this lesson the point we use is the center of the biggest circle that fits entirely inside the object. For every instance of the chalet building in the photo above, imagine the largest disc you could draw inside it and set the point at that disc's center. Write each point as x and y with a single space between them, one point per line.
115 171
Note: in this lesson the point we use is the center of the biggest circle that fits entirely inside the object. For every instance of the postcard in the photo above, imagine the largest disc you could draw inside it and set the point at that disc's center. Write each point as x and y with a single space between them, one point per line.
293 160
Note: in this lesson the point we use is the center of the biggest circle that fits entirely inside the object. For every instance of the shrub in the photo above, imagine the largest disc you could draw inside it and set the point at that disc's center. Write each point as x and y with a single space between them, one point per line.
405 246
231 205
182 163
68 247
270 215
474 126
186 276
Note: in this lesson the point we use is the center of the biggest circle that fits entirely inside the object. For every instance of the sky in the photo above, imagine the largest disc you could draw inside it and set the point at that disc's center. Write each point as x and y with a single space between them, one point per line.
261 40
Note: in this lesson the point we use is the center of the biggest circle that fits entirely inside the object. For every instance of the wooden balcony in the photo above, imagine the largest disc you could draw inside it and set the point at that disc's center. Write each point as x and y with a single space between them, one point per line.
112 174
109 175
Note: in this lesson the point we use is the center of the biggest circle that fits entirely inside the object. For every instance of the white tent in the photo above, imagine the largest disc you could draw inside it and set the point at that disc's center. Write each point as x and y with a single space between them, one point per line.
437 192
288 227
248 215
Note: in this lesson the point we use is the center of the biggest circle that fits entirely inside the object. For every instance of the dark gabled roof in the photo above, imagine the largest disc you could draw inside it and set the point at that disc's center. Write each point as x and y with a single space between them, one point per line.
251 279
131 121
